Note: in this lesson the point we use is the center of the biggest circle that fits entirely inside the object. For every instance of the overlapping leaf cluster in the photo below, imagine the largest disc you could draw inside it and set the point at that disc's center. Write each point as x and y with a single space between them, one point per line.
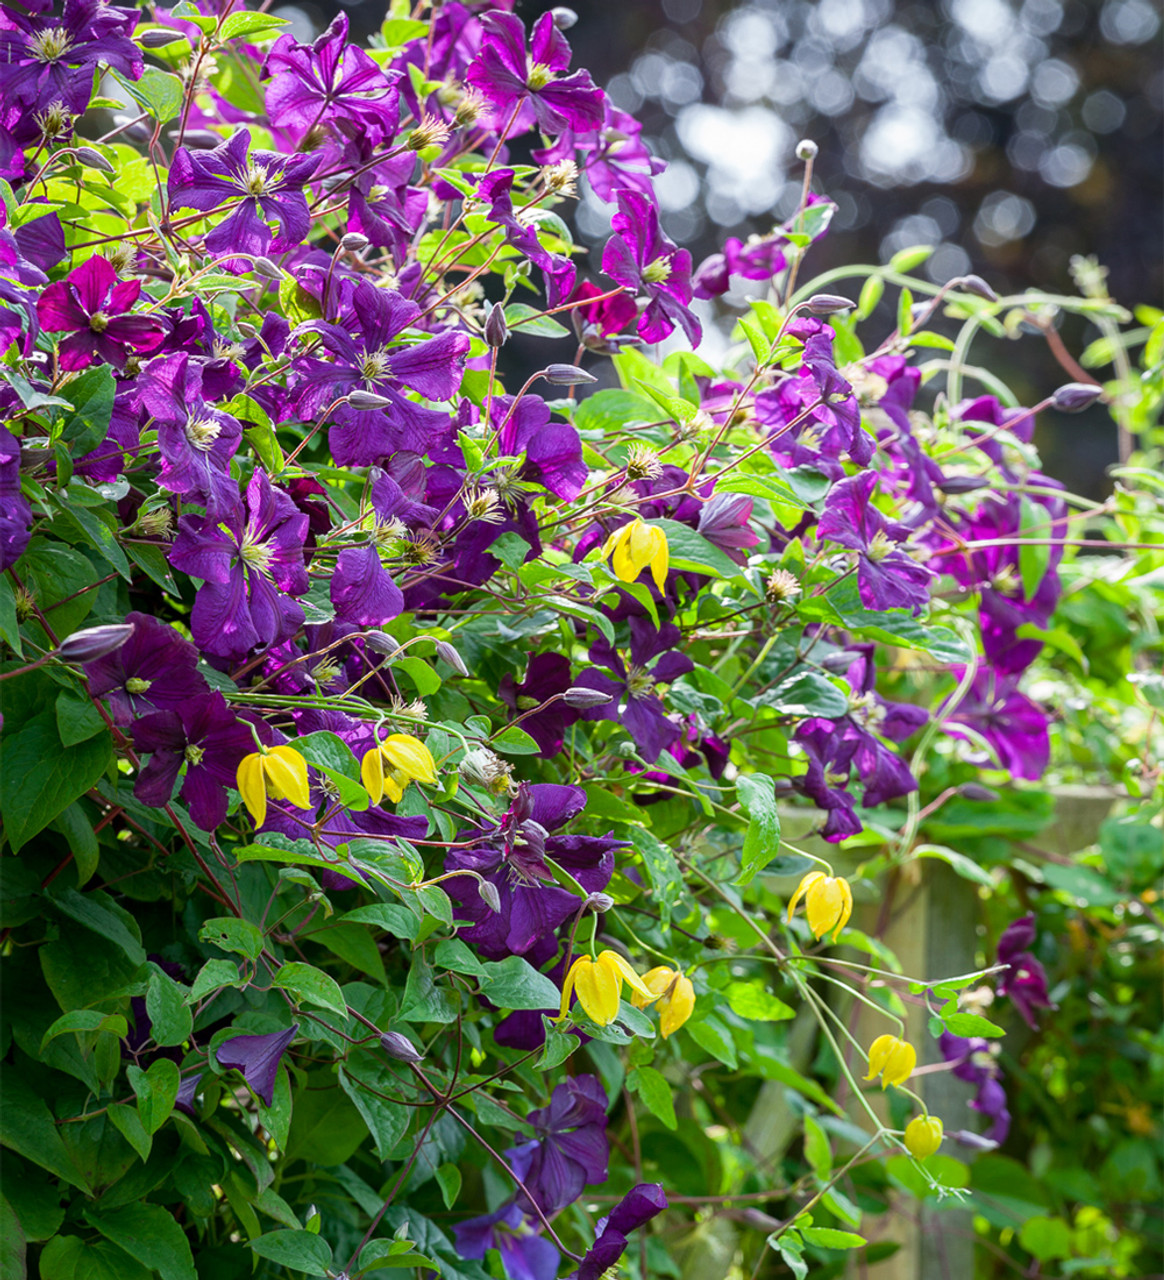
372 678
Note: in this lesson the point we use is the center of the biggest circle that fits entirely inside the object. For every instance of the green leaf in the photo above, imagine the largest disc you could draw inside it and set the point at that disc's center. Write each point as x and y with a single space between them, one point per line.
817 1151
159 93
757 797
299 1250
84 1021
667 884
750 1001
1046 1238
828 1238
13 1244
213 975
966 867
39 779
9 622
1034 556
559 1046
91 394
807 693
326 1128
78 831
712 1035
514 741
692 551
168 1011
250 24
971 1024
313 985
530 320
652 1087
448 1178
513 983
387 1121
353 944
96 911
423 1000
788 1246
127 1121
148 1233
229 934
27 1127
420 673
156 1091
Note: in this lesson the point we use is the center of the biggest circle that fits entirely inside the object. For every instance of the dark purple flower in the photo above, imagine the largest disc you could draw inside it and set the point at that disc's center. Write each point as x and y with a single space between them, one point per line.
1014 726
250 563
570 1149
258 1058
196 440
93 306
154 670
330 80
635 704
187 1091
546 675
381 204
362 590
1025 979
634 1210
270 187
724 521
512 856
531 84
887 576
204 735
496 188
641 257
552 450
977 1065
524 1254
15 509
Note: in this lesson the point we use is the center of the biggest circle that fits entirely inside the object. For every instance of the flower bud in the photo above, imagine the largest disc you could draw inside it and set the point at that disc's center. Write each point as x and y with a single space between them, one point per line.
806 149
496 327
565 375
490 895
201 139
158 38
599 903
974 1141
827 304
976 791
381 642
94 642
962 484
447 653
564 18
266 268
977 286
1073 397
582 699
354 241
400 1047
362 400
93 158
923 1136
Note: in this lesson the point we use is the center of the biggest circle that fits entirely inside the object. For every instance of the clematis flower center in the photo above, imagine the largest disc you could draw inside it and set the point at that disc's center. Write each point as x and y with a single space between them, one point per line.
50 44
98 322
639 682
135 684
879 546
538 75
194 754
657 272
374 366
258 182
202 433
325 672
257 554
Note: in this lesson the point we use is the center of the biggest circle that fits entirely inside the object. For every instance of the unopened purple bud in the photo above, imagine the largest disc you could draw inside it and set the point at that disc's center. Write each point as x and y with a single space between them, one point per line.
201 139
565 375
266 268
400 1047
962 484
973 1141
447 653
158 38
361 400
583 699
806 149
564 18
94 159
976 791
599 903
354 241
496 326
381 642
490 895
979 287
94 642
1075 396
827 304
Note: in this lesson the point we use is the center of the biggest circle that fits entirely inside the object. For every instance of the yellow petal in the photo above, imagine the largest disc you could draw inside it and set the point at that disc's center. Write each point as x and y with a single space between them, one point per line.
394 784
597 987
252 788
372 774
410 756
899 1067
622 562
621 969
879 1052
660 558
286 772
846 906
802 888
824 904
678 1006
642 545
568 985
656 980
613 542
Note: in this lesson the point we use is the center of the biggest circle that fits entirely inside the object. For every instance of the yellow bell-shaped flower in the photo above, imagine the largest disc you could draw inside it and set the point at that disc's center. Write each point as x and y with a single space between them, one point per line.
393 764
828 902
923 1136
674 993
891 1058
278 772
598 986
635 547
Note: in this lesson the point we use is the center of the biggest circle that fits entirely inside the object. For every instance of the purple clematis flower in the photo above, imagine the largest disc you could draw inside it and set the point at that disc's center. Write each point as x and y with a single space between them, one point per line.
154 670
15 509
196 440
634 703
1025 979
570 1150
187 1091
270 186
641 257
888 577
634 1210
204 735
512 857
977 1065
598 324
251 563
529 86
381 204
258 1058
330 80
93 306
524 1254
546 675
1014 726
497 189
362 590
552 450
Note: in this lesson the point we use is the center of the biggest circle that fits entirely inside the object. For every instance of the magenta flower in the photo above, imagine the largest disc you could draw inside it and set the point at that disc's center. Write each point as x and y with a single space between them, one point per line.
634 1210
258 1058
251 564
531 83
976 1064
15 509
381 204
269 188
1025 979
93 306
362 590
599 324
496 188
1014 726
552 451
154 670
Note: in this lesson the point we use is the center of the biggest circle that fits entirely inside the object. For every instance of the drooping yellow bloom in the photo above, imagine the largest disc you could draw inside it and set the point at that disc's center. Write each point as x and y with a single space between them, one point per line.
278 772
923 1136
598 986
828 902
635 547
391 766
891 1058
675 994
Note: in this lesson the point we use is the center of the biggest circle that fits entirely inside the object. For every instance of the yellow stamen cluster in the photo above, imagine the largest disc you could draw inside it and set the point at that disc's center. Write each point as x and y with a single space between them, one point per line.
675 996
278 772
635 547
828 902
891 1058
389 767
